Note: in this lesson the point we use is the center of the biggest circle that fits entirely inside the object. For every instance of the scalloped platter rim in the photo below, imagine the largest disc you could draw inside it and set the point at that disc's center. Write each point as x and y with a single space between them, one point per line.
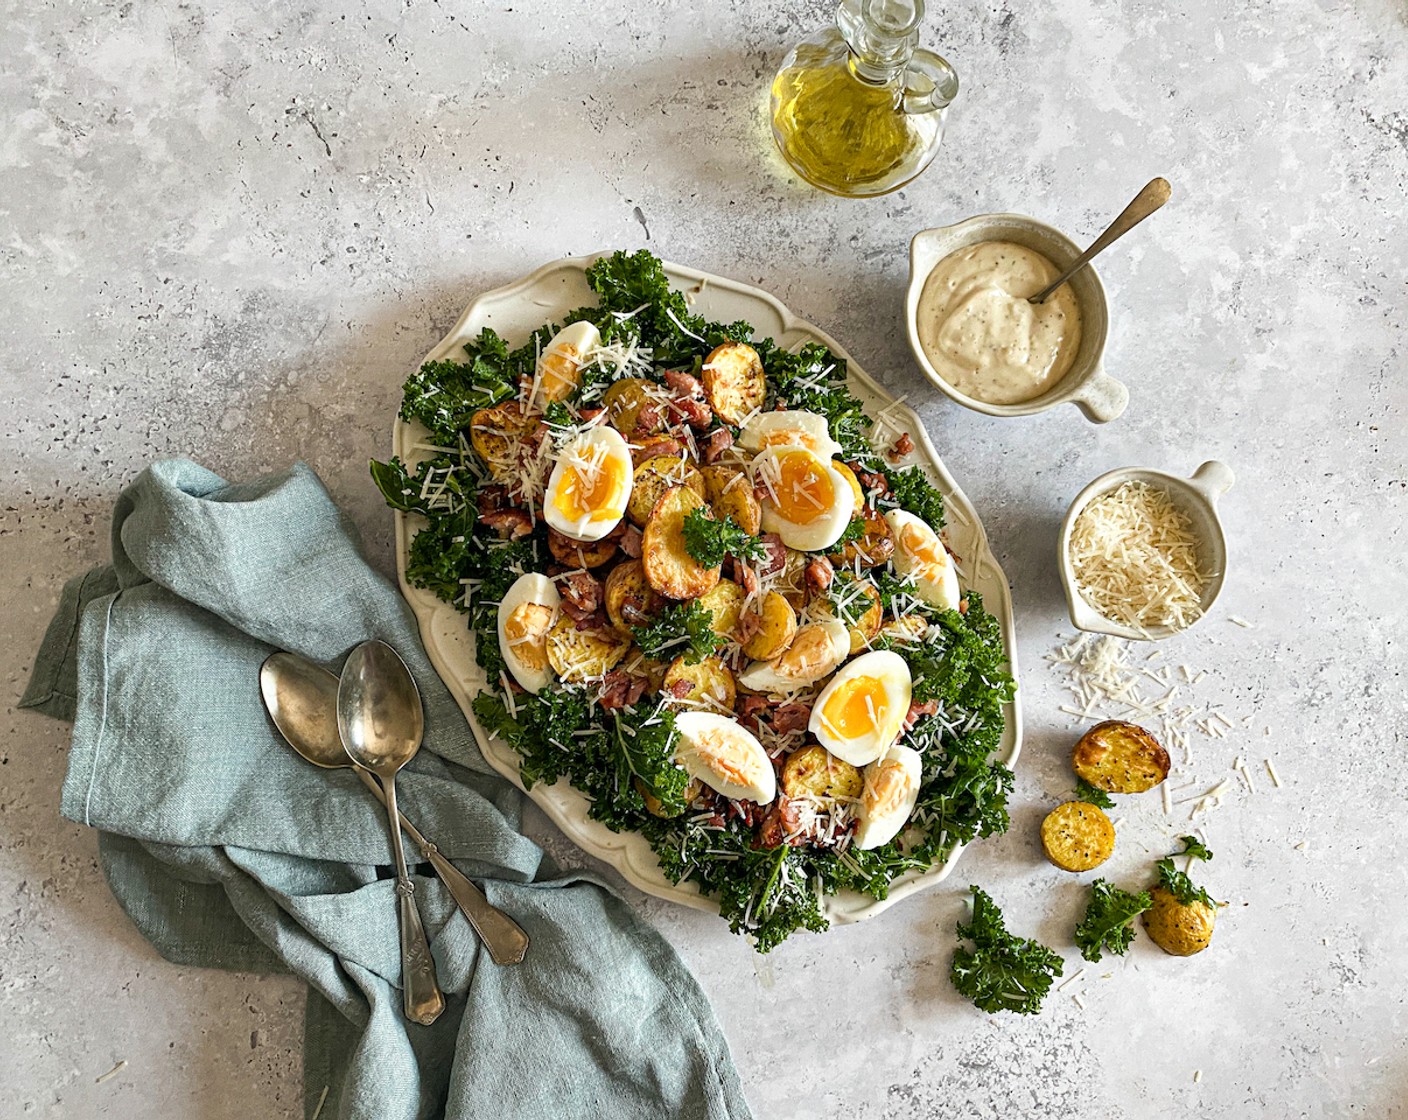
544 295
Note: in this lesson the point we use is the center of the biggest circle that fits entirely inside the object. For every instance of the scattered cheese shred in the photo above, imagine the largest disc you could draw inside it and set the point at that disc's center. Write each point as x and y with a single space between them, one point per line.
322 1100
121 1065
1135 558
1271 769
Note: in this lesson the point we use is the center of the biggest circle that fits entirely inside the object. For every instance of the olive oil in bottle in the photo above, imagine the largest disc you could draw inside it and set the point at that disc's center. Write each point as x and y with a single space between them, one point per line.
857 109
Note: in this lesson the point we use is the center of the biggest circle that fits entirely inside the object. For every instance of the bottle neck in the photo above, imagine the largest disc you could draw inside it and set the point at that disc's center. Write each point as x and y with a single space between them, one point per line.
882 36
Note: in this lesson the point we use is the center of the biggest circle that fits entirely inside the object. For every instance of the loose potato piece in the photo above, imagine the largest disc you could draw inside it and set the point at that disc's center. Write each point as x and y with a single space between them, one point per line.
725 603
1077 836
669 567
1120 757
710 683
1179 928
906 628
579 554
652 803
859 609
579 655
775 631
792 580
816 772
656 475
731 495
875 546
624 400
630 599
733 381
495 433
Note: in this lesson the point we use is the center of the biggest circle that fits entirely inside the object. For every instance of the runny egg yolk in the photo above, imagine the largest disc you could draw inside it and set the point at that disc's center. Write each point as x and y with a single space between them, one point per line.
591 489
803 488
526 631
788 437
857 708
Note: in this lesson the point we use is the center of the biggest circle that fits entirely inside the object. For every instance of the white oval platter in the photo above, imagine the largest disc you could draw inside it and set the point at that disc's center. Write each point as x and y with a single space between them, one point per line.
546 295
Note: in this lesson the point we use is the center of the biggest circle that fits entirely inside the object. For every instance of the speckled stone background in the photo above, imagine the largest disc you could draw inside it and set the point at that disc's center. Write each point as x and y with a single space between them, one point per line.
229 230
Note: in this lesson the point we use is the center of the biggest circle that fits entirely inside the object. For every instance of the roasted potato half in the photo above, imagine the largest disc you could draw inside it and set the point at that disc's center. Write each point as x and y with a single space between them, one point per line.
656 475
906 628
859 609
874 547
624 400
725 603
733 381
579 554
792 580
579 655
1120 757
495 433
710 683
1077 836
816 772
730 494
776 629
1180 928
630 599
669 567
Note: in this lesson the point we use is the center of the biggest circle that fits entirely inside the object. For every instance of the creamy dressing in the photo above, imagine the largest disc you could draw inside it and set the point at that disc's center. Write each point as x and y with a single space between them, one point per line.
980 333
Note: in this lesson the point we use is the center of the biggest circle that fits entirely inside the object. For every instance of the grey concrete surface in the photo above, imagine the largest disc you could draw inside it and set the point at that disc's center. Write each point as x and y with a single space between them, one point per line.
229 230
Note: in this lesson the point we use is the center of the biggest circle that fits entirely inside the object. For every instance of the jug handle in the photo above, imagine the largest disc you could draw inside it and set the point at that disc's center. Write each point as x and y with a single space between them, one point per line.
934 72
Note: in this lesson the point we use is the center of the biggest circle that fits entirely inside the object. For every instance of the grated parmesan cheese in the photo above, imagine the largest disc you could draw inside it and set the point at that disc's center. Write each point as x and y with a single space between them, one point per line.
1135 560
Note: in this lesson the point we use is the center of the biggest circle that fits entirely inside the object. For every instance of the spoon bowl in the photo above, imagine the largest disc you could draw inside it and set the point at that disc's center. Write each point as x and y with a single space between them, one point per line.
379 714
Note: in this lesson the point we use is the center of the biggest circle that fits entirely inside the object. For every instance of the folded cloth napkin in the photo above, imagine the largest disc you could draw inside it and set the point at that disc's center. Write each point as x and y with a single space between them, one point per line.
228 850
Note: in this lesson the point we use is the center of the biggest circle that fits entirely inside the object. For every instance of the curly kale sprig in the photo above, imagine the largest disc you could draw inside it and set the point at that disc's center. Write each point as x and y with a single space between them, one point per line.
1177 882
709 540
1001 972
680 629
1108 924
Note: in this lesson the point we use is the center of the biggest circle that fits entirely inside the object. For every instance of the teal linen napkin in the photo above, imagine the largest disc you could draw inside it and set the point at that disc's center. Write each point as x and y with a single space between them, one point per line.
227 850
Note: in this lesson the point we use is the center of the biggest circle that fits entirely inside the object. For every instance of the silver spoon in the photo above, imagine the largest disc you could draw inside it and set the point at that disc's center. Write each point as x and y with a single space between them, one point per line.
381 721
1154 195
302 700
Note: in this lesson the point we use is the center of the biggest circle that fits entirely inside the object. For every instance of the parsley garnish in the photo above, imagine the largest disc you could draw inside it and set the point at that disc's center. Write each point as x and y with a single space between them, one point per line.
1108 925
681 628
1177 882
1001 972
709 541
1093 795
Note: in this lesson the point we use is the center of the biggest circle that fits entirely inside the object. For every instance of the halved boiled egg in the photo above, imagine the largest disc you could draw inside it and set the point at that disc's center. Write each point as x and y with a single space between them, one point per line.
817 649
725 757
526 614
590 485
794 428
859 714
920 555
807 502
887 798
560 363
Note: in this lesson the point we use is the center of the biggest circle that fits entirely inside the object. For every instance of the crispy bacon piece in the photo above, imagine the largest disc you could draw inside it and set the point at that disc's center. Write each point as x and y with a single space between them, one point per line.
917 711
762 493
749 709
581 594
697 414
872 482
963 605
596 622
649 419
744 575
820 573
686 384
777 555
620 689
652 447
749 812
590 414
511 523
630 541
680 689
748 621
720 440
791 717
901 447
781 820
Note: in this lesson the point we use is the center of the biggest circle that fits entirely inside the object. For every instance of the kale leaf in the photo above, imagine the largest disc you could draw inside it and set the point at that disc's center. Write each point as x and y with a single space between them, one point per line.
1177 882
443 395
1001 972
1108 925
709 540
681 628
911 489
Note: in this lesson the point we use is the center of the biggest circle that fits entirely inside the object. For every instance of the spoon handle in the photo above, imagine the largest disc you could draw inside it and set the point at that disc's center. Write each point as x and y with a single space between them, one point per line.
1154 195
502 936
422 998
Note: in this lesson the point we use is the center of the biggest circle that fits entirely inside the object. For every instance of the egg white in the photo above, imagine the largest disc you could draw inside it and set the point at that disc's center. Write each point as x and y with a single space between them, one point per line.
824 646
725 756
935 578
791 428
600 441
888 797
532 589
566 352
893 674
826 528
